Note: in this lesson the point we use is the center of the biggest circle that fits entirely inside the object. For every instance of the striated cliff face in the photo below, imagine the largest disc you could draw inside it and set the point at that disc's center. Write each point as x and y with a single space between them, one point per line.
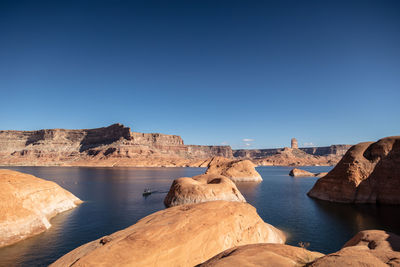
108 146
117 145
338 150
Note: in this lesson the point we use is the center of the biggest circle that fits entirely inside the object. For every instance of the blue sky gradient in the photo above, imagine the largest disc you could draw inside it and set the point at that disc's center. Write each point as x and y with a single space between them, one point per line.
325 72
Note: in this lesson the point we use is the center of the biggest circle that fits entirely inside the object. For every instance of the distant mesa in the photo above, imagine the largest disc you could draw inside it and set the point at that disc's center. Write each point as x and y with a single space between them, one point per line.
117 145
368 173
184 235
202 188
294 156
27 203
236 170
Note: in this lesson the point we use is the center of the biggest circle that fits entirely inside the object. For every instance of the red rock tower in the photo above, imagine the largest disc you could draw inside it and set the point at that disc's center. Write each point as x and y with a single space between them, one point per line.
294 143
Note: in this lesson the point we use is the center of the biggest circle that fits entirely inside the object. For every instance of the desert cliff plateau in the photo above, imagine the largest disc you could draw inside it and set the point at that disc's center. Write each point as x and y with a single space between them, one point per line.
27 203
116 145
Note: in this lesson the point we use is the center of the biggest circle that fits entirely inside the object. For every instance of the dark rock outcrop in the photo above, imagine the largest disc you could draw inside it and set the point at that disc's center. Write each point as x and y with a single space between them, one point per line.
368 173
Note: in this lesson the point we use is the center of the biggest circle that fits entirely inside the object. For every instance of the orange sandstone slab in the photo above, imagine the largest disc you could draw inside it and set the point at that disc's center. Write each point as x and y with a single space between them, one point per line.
263 255
184 235
27 203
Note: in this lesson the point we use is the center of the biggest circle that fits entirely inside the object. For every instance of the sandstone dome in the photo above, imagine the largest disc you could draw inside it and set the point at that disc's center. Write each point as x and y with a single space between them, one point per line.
236 170
184 235
27 203
368 173
202 188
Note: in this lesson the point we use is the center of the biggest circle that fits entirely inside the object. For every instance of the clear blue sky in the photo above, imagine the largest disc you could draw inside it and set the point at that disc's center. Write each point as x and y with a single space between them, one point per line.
214 72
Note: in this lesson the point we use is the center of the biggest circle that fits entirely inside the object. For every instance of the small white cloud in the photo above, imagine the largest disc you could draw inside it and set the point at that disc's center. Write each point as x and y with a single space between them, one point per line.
247 144
224 143
247 140
308 144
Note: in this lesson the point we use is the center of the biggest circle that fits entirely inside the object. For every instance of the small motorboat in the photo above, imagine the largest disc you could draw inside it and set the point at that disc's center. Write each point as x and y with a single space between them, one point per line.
147 191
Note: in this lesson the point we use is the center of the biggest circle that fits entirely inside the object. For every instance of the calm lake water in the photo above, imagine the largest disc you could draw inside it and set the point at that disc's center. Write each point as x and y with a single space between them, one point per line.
113 201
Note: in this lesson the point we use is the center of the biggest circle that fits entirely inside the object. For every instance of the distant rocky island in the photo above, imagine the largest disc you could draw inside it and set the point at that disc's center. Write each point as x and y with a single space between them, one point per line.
117 145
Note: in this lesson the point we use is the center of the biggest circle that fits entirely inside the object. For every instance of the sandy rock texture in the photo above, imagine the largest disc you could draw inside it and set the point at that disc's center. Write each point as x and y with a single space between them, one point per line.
202 188
375 239
368 173
236 170
297 157
27 203
302 173
367 248
263 255
184 235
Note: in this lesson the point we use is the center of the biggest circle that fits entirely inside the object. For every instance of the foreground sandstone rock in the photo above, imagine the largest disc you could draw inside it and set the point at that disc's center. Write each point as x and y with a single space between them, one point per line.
375 239
302 173
366 249
236 170
185 235
368 173
359 256
263 255
202 188
27 203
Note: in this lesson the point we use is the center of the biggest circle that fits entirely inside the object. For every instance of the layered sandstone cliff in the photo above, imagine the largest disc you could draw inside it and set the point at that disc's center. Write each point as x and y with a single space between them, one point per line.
115 145
368 173
185 235
27 203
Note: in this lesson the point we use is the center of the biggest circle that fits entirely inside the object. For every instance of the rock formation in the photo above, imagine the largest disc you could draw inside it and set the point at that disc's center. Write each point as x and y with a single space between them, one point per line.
296 157
375 239
294 144
333 150
27 203
302 173
368 248
236 170
202 188
368 173
263 255
117 145
185 235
